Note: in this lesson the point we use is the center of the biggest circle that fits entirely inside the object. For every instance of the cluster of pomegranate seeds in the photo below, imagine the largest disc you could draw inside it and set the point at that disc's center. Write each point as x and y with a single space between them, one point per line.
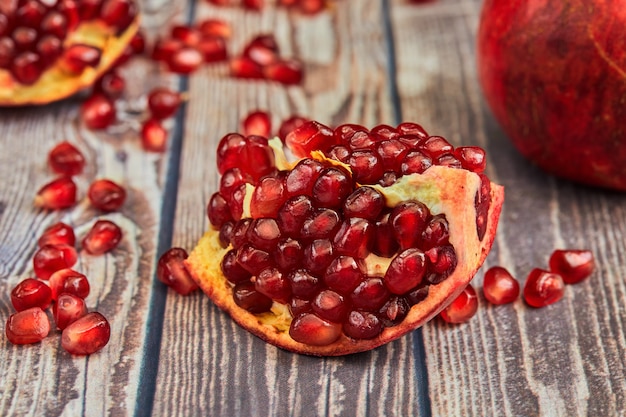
303 6
172 272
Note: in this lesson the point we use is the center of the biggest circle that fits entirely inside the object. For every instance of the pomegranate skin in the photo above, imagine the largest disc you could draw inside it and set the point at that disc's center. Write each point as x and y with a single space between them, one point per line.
554 74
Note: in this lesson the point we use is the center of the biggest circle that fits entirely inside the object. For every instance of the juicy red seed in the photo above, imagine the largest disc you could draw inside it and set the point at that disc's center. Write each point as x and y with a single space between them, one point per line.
103 237
26 68
298 306
153 136
332 187
242 67
231 269
413 142
288 72
448 160
230 181
406 271
436 146
339 153
262 50
304 285
218 210
330 305
257 158
415 162
253 4
293 213
68 309
302 177
172 272
188 35
385 131
252 259
49 48
364 202
89 9
273 284
163 102
442 262
288 254
366 166
391 153
308 137
111 84
57 234
573 265
289 125
66 159
385 243
388 179
310 329
27 326
257 122
51 258
321 224
106 195
78 57
235 202
436 232
361 140
418 295
118 13
410 128
407 221
57 194
543 288
311 6
481 202
264 234
499 286
69 281
318 255
213 49
86 335
394 311
246 297
462 308
268 197
7 50
370 295
240 233
228 151
473 158
24 37
354 237
185 60
138 43
362 325
98 112
344 274
226 233
31 12
165 48
343 132
31 293
215 27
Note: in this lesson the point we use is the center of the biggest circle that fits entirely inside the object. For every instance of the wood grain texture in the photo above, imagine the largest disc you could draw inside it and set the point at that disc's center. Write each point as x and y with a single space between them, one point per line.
564 360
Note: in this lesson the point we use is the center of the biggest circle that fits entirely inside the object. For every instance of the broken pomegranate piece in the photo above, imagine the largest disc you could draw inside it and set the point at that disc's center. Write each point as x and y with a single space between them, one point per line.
318 259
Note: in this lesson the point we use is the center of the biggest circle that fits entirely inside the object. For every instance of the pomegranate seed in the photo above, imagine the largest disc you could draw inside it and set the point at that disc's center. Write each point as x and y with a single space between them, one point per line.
311 6
232 270
213 49
163 102
253 4
288 72
118 13
301 179
408 220
106 195
303 284
27 326
308 137
188 35
257 158
228 151
111 84
354 237
98 112
298 306
263 50
257 122
230 181
473 158
462 308
289 125
86 335
185 60
442 262
165 48
572 265
78 57
57 234
153 136
66 159
273 284
343 132
385 243
26 68
318 255
366 166
49 48
415 162
218 210
69 281
436 146
330 305
31 293
391 153
264 234
312 330
362 325
138 43
7 50
50 258
543 288
25 38
371 294
406 271
103 237
242 67
252 259
394 311
215 27
322 223
344 274
172 272
361 140
246 297
31 12
57 194
332 187
499 286
68 309
385 132
293 213
89 9
288 254
436 232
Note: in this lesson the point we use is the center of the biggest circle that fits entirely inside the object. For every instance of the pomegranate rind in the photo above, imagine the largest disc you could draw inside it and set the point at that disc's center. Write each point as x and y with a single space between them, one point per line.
443 190
55 83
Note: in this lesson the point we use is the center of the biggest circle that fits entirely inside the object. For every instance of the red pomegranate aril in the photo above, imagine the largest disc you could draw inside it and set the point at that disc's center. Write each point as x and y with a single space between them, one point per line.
343 132
481 203
273 284
436 232
153 136
311 6
293 213
89 9
332 187
366 166
318 255
185 60
257 158
57 194
252 259
302 177
86 335
543 288
232 270
288 254
370 295
69 281
344 274
215 27
442 262
310 329
286 71
98 112
362 325
138 43
394 311
385 243
66 159
49 49
103 237
253 4
473 158
262 50
308 137
462 308
385 132
264 234
213 49
391 153
27 326
188 35
436 146
304 285
330 305
415 162
165 48
7 50
407 221
268 197
68 309
448 160
57 234
55 23
417 295
111 84
290 124
118 13
248 298
365 202
499 286
298 306
30 12
573 266
25 38
410 128
230 181
228 151
31 293
240 233
163 102
257 122
361 140
406 271
26 68
106 195
79 56
172 271
322 223
51 258
242 67
218 210
354 237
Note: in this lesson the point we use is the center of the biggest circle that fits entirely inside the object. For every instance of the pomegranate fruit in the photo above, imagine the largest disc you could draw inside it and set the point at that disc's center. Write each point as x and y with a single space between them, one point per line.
50 50
296 257
553 73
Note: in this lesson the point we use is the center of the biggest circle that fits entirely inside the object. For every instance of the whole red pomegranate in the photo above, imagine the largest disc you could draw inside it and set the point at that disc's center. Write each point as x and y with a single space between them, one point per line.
554 74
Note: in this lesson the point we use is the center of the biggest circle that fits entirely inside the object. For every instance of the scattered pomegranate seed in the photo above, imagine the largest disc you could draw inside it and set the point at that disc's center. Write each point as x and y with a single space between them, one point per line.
172 272
106 195
165 48
110 84
66 159
311 6
242 67
215 27
462 308
257 122
86 335
289 124
188 35
185 60
153 136
98 112
103 237
50 258
27 326
288 71
163 102
31 293
213 49
262 50
57 194
68 281
68 309
573 266
78 57
57 234
253 4
543 288
499 286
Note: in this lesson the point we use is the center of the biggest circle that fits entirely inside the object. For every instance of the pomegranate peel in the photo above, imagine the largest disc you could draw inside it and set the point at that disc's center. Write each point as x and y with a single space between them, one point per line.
444 190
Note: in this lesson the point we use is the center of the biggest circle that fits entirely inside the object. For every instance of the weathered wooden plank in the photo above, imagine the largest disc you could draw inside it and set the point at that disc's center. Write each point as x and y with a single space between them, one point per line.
567 359
43 379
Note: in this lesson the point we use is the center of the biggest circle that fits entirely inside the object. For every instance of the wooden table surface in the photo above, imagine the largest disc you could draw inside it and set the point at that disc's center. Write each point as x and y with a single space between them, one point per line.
368 62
